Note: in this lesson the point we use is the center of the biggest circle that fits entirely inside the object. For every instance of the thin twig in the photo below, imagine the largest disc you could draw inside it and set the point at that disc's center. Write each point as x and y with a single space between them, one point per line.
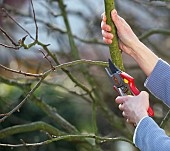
25 99
17 23
21 72
46 57
10 39
11 47
35 21
53 13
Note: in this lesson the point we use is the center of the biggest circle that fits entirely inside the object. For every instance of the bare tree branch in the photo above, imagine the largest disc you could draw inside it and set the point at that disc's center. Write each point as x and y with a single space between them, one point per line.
72 138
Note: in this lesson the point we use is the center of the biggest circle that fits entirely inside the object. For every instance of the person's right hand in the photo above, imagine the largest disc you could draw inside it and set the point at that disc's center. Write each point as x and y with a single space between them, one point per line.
127 39
134 108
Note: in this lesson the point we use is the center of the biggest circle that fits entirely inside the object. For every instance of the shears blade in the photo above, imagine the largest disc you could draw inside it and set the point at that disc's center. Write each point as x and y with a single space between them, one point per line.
112 67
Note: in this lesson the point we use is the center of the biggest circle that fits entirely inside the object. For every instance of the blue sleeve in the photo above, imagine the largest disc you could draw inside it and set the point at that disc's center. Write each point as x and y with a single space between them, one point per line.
158 83
150 137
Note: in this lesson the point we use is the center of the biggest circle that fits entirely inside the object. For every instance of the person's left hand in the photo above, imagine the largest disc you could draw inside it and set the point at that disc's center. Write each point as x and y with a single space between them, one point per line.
134 108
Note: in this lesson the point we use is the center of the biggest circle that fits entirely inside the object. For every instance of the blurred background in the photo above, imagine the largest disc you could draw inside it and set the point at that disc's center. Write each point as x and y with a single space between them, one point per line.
59 100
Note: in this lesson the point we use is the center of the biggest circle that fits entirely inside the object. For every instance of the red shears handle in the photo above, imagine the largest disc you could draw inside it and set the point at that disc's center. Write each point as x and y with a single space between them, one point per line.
130 80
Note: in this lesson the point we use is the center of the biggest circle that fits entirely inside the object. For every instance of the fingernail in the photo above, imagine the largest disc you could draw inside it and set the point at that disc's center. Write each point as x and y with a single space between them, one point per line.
114 12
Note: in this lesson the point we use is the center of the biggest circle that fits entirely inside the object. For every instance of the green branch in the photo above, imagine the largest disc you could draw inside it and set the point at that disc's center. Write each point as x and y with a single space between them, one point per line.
114 47
72 63
154 31
74 50
29 128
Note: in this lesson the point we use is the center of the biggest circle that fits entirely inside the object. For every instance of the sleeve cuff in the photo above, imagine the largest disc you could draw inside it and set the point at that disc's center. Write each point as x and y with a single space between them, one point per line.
134 136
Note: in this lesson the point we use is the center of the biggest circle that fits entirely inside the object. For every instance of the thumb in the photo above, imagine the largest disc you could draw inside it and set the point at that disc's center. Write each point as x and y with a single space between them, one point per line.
115 17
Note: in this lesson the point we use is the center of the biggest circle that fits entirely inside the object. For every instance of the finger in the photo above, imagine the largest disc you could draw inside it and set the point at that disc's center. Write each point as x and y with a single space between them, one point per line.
124 114
127 120
107 41
121 107
107 35
103 16
115 17
130 122
120 45
144 93
121 99
105 27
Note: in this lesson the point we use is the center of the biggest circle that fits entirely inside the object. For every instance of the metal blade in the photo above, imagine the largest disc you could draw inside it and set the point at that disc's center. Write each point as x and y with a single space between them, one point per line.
112 67
108 72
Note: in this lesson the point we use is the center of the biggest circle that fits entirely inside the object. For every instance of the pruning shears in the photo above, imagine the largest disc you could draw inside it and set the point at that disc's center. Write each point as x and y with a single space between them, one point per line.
123 83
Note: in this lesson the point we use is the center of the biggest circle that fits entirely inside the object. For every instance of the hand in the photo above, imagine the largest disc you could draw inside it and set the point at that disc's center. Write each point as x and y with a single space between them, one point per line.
127 38
134 107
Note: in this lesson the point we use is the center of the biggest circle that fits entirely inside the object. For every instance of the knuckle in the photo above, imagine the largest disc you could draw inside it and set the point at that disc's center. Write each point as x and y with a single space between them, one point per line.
144 93
107 41
107 35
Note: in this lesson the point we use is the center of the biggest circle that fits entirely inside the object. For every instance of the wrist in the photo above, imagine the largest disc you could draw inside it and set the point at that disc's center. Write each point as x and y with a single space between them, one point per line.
140 117
145 58
137 47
